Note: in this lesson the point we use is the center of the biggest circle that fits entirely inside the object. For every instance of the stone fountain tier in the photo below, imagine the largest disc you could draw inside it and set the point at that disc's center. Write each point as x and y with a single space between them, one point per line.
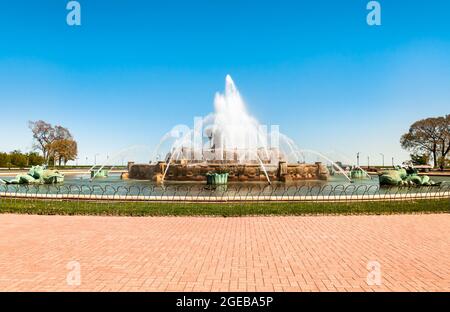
250 172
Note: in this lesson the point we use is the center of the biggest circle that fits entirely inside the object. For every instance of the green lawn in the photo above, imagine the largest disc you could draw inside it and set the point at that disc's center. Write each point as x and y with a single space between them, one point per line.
57 207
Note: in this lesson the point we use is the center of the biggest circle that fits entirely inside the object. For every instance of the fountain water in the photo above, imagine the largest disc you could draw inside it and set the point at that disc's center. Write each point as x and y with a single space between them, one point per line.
330 161
231 138
110 162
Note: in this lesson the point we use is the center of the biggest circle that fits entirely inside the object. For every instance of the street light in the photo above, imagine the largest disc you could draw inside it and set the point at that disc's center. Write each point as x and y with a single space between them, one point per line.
382 156
368 162
392 161
357 159
95 158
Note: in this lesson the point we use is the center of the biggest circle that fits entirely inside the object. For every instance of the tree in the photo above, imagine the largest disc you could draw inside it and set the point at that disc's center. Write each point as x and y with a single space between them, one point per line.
445 141
63 150
35 159
51 140
4 160
18 159
420 159
429 136
62 133
43 134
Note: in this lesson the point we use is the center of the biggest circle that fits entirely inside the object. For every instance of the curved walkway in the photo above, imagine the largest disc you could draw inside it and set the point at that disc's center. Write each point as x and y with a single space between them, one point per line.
331 253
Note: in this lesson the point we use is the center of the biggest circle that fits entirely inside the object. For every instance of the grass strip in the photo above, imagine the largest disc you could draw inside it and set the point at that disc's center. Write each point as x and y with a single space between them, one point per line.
61 207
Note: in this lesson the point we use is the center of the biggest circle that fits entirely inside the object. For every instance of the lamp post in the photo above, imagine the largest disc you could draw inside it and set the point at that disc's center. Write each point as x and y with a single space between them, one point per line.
357 159
392 161
368 162
95 158
86 160
382 157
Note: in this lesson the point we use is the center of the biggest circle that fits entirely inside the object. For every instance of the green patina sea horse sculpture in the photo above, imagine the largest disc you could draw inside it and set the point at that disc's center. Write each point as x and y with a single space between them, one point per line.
405 177
37 175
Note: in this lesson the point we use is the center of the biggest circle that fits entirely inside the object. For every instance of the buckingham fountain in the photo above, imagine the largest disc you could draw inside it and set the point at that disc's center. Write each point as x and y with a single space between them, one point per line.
229 141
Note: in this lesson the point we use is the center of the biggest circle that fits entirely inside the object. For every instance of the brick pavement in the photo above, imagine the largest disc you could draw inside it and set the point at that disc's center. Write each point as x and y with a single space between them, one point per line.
318 253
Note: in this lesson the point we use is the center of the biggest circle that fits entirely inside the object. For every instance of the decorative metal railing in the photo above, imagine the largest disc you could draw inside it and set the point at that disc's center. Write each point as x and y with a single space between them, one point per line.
231 192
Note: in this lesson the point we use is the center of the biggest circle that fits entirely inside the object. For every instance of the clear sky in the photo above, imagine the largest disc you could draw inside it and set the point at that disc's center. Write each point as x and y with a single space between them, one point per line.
134 69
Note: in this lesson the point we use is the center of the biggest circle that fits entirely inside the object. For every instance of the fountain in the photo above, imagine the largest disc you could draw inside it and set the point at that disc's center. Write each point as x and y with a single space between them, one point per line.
230 141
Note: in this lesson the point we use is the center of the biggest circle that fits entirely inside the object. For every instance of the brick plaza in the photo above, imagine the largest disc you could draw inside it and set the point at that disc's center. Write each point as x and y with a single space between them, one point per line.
317 253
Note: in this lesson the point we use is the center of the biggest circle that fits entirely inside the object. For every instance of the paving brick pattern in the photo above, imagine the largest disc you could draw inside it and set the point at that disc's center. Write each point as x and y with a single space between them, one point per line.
329 253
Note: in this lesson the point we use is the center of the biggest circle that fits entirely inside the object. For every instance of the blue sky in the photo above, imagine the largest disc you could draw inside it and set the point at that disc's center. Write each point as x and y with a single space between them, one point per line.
134 69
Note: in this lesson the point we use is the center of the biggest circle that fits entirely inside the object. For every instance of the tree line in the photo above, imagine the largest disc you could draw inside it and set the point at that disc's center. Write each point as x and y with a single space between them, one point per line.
429 139
20 160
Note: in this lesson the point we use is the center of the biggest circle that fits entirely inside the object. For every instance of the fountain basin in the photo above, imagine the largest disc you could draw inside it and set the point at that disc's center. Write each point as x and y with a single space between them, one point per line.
249 172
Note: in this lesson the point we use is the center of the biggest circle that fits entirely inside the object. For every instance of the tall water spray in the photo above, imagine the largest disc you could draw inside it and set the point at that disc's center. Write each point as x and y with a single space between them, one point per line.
230 132
233 128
